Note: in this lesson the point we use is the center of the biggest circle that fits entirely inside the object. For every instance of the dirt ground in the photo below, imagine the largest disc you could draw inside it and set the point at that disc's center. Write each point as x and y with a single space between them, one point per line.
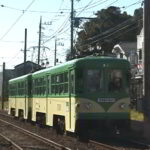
142 130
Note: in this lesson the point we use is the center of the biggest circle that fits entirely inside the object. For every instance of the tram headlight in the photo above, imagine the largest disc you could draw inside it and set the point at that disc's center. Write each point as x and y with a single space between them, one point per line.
123 106
88 105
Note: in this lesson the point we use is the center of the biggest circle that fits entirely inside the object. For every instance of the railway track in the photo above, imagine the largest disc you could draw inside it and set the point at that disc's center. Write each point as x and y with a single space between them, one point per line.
72 143
29 138
103 146
10 143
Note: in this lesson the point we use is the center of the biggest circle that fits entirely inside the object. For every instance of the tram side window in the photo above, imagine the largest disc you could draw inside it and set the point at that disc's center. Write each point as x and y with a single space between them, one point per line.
40 86
115 80
21 88
79 81
66 78
48 84
12 90
72 83
59 84
94 80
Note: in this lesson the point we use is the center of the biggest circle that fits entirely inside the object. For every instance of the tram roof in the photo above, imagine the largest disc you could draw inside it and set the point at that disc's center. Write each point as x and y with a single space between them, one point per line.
71 63
20 78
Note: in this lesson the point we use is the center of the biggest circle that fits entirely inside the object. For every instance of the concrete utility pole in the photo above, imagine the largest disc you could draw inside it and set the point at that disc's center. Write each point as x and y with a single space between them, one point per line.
25 51
39 46
72 23
147 58
3 86
55 51
25 46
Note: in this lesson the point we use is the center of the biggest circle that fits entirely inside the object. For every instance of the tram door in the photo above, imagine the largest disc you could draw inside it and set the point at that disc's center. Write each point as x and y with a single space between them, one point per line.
71 94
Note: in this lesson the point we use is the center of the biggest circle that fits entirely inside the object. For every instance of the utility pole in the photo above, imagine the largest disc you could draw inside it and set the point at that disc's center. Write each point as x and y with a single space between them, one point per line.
72 23
25 51
39 46
55 51
147 58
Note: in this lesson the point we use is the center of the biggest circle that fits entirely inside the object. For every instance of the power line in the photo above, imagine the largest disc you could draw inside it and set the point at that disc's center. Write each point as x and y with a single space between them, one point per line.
138 2
106 35
32 11
17 20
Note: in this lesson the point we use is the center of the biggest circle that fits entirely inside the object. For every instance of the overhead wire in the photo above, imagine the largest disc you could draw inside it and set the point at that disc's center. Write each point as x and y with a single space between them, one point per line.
138 2
16 21
32 11
106 36
117 25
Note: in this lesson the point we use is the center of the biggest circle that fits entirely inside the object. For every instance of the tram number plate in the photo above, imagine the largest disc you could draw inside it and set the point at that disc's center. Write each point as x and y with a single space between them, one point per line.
106 100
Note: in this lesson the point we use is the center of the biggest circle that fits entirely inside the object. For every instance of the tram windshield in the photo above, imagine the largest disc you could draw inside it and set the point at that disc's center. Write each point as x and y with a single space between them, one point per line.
115 80
94 80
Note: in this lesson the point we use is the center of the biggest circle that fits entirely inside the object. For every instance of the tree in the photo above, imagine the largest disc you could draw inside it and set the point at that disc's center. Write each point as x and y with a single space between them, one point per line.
138 15
110 26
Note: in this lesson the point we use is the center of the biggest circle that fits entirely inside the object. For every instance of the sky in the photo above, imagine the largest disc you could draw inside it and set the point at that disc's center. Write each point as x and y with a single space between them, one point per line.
18 15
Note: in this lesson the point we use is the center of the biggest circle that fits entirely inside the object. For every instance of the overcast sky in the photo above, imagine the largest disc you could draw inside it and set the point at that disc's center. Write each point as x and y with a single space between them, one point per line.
16 15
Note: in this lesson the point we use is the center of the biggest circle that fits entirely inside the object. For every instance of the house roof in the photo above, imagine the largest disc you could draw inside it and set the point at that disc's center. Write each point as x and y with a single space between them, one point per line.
28 63
125 47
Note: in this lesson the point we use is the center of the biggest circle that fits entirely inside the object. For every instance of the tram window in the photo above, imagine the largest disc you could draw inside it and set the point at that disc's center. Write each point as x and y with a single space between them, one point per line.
66 88
61 78
61 89
57 79
53 89
94 80
79 81
49 85
56 89
115 80
66 77
72 83
53 79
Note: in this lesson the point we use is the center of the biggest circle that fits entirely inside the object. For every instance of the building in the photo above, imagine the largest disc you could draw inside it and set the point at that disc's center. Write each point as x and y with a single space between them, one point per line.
140 52
126 50
26 68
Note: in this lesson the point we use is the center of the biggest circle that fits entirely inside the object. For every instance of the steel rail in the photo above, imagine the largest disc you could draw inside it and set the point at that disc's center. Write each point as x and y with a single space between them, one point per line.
10 141
38 137
103 145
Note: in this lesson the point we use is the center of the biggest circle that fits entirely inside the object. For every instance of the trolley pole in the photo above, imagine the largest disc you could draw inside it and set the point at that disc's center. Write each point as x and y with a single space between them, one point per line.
147 59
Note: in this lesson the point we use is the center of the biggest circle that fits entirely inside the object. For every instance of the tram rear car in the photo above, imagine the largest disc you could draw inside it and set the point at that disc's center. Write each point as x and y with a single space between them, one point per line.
20 97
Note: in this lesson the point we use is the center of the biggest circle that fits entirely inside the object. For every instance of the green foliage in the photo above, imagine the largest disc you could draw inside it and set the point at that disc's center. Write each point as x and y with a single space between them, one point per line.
99 35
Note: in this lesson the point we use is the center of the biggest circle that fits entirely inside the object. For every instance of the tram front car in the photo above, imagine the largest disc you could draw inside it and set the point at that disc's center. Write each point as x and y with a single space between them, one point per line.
102 94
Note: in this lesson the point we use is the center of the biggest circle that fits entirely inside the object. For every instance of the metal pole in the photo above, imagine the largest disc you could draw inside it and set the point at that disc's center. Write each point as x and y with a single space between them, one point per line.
147 57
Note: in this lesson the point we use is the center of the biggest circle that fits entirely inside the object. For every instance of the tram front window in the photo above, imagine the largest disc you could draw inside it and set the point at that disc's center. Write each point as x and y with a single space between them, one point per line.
94 80
115 80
